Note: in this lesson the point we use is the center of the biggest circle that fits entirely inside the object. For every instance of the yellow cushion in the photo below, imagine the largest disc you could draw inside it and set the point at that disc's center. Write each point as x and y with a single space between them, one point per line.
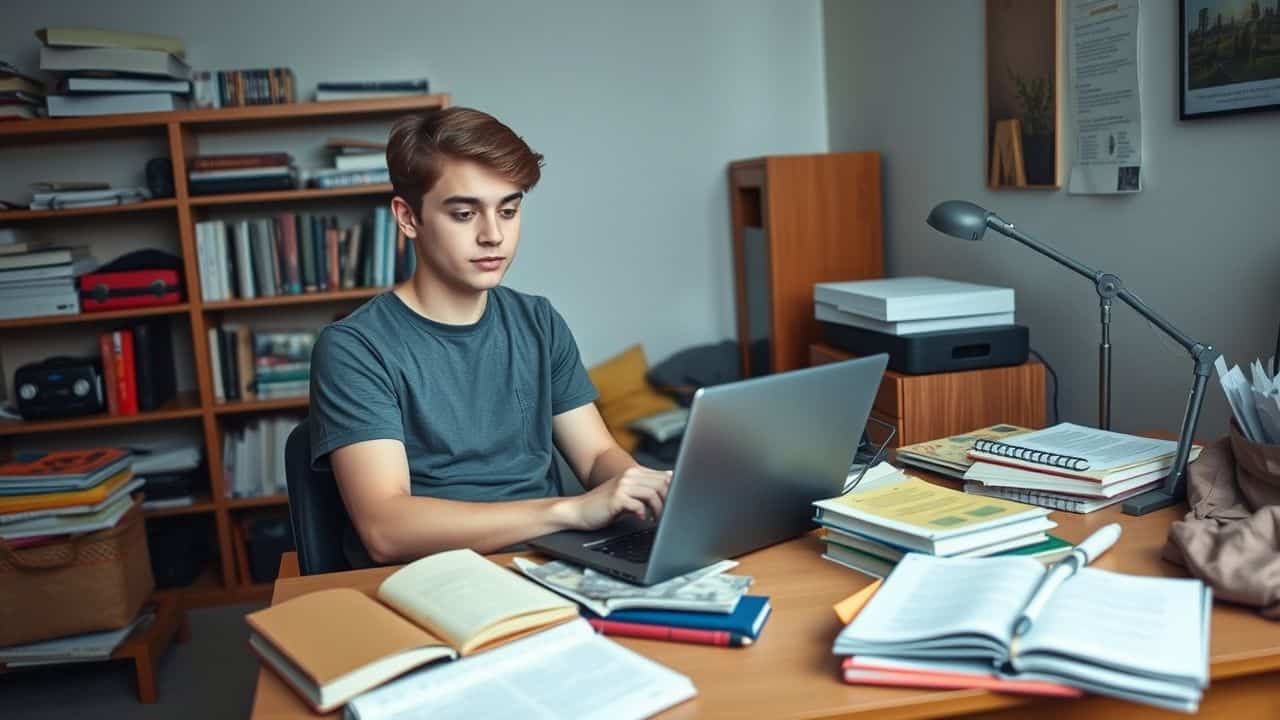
625 395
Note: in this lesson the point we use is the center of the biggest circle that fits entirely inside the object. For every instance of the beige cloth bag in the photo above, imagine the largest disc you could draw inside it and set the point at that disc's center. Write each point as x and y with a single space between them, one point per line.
1231 537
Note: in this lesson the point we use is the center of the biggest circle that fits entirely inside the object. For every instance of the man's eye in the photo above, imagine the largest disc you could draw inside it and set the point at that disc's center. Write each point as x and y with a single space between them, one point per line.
508 213
463 215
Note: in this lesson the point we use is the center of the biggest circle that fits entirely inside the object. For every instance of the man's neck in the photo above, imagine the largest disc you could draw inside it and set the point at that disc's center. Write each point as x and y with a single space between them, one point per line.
438 302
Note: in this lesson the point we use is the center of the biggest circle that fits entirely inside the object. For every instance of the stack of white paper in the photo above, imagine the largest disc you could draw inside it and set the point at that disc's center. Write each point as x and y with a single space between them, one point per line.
1255 404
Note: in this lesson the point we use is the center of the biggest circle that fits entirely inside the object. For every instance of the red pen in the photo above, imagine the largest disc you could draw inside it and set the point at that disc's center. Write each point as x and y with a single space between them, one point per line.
664 632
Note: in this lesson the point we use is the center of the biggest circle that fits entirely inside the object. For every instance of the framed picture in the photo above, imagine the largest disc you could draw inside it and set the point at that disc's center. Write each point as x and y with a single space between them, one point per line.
1229 57
1023 94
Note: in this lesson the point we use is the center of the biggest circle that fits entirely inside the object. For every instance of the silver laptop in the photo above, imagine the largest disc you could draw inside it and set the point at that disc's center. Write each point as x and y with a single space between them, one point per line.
755 454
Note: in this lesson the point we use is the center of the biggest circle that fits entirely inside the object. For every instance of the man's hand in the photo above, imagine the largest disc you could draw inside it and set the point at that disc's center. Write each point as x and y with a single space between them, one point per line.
637 490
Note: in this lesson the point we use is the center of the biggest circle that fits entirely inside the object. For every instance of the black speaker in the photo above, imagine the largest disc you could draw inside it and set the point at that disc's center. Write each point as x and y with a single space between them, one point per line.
932 352
160 177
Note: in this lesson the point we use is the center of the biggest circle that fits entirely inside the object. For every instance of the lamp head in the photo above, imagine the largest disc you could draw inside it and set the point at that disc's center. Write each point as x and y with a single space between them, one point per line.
960 219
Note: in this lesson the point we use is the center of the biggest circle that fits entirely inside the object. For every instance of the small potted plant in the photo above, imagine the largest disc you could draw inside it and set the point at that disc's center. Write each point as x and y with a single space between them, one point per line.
1037 127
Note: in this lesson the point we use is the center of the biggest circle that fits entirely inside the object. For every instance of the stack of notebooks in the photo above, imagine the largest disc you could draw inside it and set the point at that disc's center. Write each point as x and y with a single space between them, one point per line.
106 72
44 496
35 282
948 623
707 606
1069 467
59 195
489 640
239 173
291 253
355 162
21 96
871 528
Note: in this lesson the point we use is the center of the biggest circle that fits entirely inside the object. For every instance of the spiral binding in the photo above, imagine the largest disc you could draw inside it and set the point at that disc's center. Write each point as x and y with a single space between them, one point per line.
1039 457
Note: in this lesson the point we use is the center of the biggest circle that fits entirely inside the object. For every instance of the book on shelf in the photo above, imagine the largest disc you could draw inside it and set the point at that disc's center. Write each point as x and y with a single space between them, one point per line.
66 273
950 455
708 589
253 457
63 302
256 171
131 61
366 161
441 607
363 90
42 258
69 199
255 183
1144 639
122 391
63 36
333 178
910 513
12 79
154 366
239 161
110 104
75 84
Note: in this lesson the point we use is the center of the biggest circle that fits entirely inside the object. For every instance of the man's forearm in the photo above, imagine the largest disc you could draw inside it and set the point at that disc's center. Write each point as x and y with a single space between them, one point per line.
406 528
608 465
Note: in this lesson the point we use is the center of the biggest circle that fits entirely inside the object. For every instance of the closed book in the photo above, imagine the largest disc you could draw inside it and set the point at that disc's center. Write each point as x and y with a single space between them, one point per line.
110 390
75 84
215 364
417 85
945 675
153 358
107 517
126 371
244 361
47 272
123 60
15 83
331 95
239 185
67 498
227 347
318 252
41 258
332 270
370 161
291 267
306 252
247 287
86 37
351 264
914 298
67 303
747 619
1083 453
1060 501
263 273
332 645
239 161
255 172
82 468
109 104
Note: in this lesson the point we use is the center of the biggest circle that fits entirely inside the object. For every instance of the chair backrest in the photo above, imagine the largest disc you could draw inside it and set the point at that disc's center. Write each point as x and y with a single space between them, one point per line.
315 508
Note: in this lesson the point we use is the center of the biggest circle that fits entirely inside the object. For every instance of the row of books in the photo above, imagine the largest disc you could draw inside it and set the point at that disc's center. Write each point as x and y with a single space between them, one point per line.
259 364
253 457
38 280
1065 467
235 88
889 515
21 96
137 367
292 253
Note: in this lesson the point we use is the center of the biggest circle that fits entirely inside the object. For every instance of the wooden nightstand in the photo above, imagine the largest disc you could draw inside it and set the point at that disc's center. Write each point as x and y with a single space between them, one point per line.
926 407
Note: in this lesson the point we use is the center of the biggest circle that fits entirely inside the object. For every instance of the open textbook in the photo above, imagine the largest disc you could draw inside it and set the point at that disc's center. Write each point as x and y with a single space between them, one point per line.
1144 639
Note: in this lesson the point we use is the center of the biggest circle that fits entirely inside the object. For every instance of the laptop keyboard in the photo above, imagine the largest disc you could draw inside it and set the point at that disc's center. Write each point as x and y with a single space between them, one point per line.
634 547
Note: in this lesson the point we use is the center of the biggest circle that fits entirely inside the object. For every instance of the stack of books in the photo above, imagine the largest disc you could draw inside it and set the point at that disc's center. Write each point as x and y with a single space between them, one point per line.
1069 467
872 527
950 455
106 72
60 195
235 88
137 367
40 281
169 474
21 96
262 365
247 172
253 457
292 253
44 496
707 606
355 162
87 647
369 89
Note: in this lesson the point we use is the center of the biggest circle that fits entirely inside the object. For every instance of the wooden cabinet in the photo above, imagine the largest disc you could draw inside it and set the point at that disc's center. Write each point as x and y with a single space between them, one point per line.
926 407
798 220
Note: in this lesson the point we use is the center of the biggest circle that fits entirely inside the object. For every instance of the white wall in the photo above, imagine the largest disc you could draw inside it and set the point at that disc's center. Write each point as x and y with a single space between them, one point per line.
1201 243
638 107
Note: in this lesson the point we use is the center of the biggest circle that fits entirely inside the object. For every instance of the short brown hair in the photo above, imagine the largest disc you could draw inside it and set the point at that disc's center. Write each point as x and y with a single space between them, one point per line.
420 143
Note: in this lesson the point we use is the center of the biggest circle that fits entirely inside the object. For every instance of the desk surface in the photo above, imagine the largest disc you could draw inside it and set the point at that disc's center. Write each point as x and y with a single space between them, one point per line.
791 672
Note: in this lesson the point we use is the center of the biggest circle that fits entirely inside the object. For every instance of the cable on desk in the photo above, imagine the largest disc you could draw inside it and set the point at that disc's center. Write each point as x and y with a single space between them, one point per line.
1054 375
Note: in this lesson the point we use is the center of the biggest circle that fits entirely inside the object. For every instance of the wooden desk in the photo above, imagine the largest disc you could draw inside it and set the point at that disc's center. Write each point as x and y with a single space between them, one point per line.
791 672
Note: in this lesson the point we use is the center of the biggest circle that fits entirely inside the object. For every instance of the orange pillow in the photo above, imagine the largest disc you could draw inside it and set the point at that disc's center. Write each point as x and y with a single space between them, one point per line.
625 395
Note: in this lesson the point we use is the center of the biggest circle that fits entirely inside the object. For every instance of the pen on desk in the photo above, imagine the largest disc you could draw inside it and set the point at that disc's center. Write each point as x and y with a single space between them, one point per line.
663 632
1083 554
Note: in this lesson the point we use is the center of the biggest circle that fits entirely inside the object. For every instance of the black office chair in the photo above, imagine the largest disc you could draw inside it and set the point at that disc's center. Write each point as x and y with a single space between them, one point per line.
315 508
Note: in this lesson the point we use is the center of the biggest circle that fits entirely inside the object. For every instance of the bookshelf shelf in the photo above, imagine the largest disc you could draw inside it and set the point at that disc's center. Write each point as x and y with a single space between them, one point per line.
257 502
186 405
300 299
279 196
203 504
256 406
109 316
8 216
181 134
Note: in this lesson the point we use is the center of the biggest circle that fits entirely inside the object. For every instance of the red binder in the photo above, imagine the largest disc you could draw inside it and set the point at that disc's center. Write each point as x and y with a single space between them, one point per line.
135 288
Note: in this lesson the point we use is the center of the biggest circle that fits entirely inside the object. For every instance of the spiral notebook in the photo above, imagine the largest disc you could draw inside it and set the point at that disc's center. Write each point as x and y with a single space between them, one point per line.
1078 451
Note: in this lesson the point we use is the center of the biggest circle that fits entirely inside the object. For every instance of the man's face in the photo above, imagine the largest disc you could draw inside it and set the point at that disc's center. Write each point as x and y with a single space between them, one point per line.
469 227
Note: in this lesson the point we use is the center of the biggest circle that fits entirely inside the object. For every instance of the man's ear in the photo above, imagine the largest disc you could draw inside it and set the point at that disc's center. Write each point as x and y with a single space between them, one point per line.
405 217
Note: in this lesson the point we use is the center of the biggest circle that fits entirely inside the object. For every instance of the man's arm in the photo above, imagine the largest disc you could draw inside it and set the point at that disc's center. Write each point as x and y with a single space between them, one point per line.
396 526
599 462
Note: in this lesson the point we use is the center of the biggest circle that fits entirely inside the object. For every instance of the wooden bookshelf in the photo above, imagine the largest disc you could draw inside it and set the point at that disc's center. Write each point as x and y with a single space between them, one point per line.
220 583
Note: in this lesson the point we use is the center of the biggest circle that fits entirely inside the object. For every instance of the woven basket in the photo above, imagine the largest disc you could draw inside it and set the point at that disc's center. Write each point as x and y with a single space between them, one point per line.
86 583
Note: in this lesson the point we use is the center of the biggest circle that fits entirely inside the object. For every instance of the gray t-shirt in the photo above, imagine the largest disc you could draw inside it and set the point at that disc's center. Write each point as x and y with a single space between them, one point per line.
471 403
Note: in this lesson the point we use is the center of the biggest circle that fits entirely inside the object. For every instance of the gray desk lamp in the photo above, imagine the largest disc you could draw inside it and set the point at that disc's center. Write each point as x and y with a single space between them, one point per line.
967 221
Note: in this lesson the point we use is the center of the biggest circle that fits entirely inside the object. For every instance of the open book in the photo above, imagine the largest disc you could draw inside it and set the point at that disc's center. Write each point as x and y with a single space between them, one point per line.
331 645
1144 639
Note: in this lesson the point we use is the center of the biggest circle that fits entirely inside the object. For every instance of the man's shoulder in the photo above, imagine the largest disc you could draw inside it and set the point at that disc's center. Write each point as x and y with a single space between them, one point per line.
527 309
373 317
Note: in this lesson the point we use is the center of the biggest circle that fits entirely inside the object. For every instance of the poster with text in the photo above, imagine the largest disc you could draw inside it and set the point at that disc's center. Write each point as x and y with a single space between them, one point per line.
1105 97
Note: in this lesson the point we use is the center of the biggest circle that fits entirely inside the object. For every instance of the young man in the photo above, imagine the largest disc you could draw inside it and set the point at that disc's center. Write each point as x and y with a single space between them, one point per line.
437 404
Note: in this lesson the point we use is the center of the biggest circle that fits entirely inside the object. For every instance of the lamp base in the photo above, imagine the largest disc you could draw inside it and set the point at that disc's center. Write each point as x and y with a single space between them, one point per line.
1149 501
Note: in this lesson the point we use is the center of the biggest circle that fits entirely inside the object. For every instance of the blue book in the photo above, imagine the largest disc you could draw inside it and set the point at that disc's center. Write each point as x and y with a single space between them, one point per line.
746 619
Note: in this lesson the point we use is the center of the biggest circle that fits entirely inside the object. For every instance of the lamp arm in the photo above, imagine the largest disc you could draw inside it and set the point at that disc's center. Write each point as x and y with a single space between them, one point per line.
1006 228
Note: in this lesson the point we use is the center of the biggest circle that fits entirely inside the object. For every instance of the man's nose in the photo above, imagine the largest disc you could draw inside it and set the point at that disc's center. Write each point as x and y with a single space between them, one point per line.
490 231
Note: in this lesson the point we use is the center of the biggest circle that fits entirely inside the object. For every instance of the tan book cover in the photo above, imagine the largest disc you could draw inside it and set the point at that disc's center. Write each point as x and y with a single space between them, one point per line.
952 453
57 36
332 645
